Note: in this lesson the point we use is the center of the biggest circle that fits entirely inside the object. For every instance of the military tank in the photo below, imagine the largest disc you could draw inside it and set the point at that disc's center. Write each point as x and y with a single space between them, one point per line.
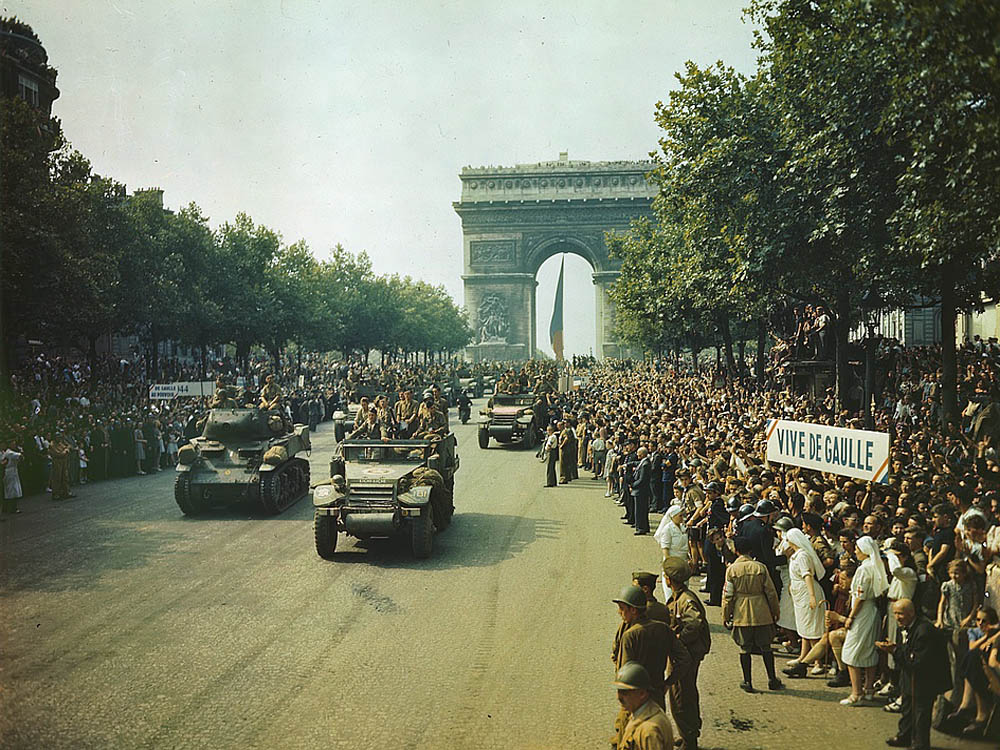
243 455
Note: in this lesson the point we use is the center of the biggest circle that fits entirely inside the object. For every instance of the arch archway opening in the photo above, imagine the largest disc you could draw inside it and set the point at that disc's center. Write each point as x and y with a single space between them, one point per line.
579 314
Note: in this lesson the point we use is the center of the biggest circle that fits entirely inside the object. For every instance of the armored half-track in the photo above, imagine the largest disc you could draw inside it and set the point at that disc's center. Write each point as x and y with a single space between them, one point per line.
243 455
509 419
386 489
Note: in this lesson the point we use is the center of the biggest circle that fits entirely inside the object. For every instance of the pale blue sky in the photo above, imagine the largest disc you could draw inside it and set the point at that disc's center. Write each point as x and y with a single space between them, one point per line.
349 122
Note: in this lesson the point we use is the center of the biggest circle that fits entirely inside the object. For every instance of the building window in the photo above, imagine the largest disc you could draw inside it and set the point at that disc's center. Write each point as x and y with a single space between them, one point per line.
28 89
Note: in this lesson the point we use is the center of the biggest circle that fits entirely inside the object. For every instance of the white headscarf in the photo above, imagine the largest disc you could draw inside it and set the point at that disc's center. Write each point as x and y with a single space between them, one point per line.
873 565
798 538
673 511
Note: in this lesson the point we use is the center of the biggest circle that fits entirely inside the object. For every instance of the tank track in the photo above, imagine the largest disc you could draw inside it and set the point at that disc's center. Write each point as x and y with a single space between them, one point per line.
280 488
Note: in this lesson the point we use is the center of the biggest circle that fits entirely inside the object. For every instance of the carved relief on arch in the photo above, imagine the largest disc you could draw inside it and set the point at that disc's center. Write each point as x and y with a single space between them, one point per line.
491 251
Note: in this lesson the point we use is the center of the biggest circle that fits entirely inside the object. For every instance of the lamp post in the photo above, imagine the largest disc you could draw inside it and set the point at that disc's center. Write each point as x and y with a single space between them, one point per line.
871 303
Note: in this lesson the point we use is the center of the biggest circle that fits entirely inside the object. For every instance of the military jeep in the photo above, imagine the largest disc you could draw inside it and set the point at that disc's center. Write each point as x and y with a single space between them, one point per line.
509 419
384 489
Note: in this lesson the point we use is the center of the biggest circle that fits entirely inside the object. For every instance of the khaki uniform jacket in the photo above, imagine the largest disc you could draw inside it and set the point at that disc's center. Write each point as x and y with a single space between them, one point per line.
442 406
651 643
406 411
270 395
432 421
749 597
647 729
689 622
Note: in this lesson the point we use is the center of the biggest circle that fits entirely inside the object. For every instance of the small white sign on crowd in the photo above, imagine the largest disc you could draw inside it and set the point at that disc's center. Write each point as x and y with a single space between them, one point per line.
167 391
860 454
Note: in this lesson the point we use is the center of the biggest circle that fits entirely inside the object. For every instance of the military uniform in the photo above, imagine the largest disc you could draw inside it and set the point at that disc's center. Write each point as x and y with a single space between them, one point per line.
270 395
59 480
567 454
689 622
432 423
647 729
406 412
442 406
370 430
651 643
750 601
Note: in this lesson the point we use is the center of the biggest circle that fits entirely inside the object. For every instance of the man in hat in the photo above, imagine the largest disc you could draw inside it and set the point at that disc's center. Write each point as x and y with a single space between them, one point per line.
431 422
646 726
639 486
689 623
270 394
717 518
760 533
654 609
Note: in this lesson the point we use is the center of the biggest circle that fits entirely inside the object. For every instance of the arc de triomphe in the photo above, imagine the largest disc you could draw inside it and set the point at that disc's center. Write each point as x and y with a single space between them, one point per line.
514 218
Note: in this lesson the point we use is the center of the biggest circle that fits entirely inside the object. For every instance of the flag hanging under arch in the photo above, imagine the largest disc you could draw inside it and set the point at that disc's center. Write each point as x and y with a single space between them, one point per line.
556 326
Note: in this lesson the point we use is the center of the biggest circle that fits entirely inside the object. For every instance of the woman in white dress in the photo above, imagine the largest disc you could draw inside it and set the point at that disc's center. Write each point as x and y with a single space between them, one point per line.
862 623
671 534
805 570
11 479
786 614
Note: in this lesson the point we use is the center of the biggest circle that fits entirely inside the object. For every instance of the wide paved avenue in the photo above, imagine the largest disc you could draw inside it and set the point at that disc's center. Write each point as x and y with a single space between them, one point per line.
126 625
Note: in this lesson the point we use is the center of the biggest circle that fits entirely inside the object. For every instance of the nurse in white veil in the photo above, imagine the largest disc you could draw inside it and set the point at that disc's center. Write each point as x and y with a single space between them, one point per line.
805 570
862 623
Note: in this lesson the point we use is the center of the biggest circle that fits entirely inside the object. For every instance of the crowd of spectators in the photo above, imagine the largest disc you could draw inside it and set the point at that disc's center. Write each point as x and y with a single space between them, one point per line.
69 422
930 535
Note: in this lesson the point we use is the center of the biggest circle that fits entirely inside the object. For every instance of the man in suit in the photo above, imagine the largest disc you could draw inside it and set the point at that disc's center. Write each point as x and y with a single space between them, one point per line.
627 468
641 492
924 674
551 448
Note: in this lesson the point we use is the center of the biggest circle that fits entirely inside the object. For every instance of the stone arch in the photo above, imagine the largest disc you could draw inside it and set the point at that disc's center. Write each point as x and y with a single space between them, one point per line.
515 218
555 244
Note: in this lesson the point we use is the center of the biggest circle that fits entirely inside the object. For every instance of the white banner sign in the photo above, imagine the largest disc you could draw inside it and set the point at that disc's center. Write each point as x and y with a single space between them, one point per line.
852 453
173 390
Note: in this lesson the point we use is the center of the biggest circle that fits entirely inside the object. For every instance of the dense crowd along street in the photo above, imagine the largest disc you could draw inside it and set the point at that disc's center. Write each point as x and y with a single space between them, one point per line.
682 454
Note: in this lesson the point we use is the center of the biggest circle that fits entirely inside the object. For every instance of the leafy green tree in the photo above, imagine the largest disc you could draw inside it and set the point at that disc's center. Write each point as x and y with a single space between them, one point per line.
944 115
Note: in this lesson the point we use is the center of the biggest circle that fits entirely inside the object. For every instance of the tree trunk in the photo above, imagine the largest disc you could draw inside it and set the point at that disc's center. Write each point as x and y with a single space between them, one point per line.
695 351
949 360
275 353
92 351
761 350
742 364
154 352
727 343
842 330
204 361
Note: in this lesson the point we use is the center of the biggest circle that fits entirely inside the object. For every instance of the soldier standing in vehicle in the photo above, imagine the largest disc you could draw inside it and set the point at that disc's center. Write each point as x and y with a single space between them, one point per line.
406 414
371 428
689 622
270 394
431 422
442 405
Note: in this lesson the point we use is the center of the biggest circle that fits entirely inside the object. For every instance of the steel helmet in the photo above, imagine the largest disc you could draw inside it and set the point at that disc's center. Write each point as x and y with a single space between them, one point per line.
746 510
715 487
632 676
733 504
633 596
784 523
764 508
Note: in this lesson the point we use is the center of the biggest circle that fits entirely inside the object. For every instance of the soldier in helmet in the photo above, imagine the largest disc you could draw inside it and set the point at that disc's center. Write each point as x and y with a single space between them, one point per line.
650 643
689 622
647 726
442 405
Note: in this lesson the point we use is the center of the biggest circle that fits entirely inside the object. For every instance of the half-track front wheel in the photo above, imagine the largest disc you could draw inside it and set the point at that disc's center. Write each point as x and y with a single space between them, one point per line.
422 533
484 438
325 533
186 498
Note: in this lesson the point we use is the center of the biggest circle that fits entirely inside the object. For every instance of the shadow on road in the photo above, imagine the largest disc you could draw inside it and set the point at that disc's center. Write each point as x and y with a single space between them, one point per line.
472 540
